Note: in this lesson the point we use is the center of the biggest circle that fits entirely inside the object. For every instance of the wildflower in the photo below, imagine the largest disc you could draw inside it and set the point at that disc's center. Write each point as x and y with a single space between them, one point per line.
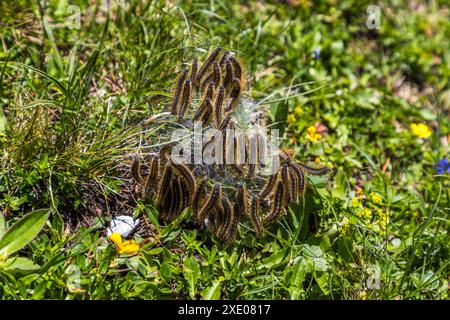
375 198
443 166
316 53
420 130
317 160
128 247
291 119
298 110
363 295
365 214
312 134
383 217
343 226
360 191
355 202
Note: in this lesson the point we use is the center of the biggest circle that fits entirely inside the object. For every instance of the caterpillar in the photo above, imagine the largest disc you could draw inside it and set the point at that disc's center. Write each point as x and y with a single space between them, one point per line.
227 218
165 201
198 195
230 232
186 99
294 190
287 184
194 68
242 200
205 66
234 95
314 171
218 106
251 170
178 89
223 59
151 177
208 80
164 151
237 68
216 74
277 205
300 176
173 200
187 174
187 192
164 182
254 216
202 110
135 169
224 124
268 187
210 202
228 74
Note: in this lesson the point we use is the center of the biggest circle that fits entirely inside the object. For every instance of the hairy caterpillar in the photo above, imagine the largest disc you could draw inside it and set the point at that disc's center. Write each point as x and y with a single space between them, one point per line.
149 184
277 205
186 99
227 218
198 195
216 74
224 58
234 95
254 216
210 202
269 186
237 68
186 173
294 190
194 68
300 176
314 171
218 106
164 182
228 74
178 89
205 66
135 169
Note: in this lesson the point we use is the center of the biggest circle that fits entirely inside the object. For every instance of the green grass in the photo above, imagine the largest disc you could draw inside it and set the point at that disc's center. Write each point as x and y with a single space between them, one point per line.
73 105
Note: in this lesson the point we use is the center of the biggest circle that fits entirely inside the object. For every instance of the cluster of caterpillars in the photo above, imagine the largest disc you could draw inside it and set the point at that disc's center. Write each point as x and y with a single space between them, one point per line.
217 196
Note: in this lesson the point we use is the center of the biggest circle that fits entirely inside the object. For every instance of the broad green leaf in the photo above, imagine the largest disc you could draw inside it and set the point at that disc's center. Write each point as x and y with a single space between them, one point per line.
191 274
213 291
23 231
312 251
273 260
322 280
18 264
318 181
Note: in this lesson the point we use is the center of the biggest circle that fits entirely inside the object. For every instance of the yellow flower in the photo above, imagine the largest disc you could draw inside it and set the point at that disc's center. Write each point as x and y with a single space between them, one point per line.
365 213
375 198
128 247
291 119
298 110
363 295
312 134
420 130
344 226
317 160
355 202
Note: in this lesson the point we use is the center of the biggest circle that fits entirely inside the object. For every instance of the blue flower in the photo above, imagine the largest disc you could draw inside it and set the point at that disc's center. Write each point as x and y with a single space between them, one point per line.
443 166
316 53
